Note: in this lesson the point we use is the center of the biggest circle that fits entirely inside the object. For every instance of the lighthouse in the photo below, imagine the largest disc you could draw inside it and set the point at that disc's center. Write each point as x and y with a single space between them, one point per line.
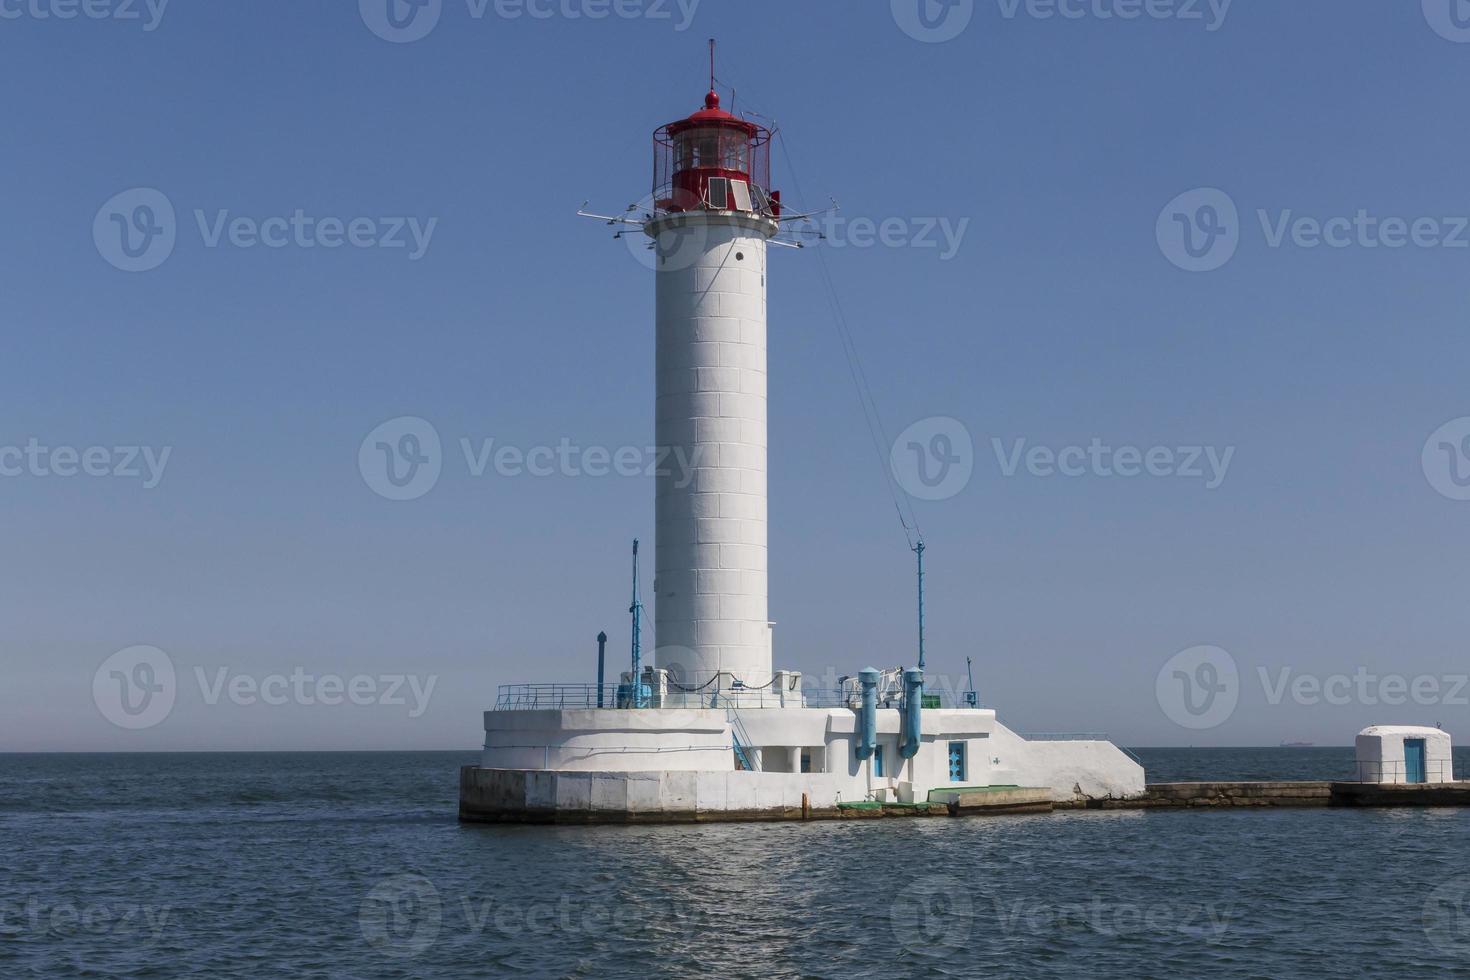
712 216
711 730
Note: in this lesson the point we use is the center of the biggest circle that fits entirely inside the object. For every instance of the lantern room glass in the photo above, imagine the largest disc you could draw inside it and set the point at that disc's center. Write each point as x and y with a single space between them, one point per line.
712 148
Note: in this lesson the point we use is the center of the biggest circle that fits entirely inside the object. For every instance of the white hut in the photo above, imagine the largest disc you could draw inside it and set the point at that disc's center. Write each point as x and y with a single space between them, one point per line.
1404 754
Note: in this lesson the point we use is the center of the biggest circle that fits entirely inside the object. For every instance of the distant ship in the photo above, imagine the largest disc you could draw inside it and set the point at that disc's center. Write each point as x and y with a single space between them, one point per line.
1298 745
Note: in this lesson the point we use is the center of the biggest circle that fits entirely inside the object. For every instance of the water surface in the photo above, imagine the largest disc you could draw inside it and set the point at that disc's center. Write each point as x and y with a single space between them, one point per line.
352 865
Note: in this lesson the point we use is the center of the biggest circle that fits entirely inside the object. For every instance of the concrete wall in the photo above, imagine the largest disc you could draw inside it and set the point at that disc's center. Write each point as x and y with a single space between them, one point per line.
492 795
1078 770
700 740
608 740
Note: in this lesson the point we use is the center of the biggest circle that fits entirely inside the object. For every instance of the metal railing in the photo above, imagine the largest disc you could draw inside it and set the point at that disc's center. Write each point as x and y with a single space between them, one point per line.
532 697
1066 737
1083 737
1390 771
738 735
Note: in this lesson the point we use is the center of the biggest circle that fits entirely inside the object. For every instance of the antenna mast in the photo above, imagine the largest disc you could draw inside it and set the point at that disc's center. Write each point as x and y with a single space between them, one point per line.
637 610
919 550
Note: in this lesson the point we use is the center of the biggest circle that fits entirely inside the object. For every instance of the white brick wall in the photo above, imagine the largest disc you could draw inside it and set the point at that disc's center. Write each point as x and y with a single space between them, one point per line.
710 607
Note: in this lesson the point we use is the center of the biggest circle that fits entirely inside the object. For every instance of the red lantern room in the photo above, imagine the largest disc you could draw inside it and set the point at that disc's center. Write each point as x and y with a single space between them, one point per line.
713 161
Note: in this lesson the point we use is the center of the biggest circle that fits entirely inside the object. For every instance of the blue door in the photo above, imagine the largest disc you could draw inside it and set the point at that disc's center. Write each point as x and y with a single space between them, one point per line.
1414 760
957 762
878 761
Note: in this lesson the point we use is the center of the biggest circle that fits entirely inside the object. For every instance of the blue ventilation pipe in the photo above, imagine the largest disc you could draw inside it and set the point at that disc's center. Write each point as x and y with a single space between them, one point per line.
601 663
913 704
867 741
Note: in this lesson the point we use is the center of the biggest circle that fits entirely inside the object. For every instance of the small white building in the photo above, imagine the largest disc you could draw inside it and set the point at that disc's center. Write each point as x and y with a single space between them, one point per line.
1404 754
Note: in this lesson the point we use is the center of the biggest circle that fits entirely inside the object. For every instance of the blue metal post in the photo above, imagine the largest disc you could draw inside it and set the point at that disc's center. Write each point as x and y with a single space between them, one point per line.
601 660
637 610
919 550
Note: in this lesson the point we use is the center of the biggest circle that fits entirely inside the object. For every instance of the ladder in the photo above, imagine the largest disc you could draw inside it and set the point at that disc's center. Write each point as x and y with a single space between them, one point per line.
738 734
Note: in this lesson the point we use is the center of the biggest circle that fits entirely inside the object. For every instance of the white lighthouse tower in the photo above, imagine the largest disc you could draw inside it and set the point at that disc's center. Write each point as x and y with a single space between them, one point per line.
712 215
710 730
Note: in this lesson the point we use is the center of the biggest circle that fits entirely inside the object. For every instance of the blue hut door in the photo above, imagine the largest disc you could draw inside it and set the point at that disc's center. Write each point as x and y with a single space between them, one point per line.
1414 760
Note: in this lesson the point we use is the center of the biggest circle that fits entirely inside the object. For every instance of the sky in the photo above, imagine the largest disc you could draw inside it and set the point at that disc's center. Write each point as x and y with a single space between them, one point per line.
1221 248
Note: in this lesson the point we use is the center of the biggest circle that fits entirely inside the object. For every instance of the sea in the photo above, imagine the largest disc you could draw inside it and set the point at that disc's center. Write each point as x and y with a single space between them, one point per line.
277 865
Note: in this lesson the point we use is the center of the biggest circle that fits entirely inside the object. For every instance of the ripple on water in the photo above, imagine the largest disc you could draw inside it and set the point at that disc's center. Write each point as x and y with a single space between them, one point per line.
139 866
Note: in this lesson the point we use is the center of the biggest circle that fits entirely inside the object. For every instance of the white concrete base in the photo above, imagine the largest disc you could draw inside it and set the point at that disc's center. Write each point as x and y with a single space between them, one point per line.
682 764
493 795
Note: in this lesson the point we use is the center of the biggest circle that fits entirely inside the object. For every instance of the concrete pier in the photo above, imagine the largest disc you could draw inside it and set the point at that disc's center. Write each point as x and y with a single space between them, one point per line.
1223 794
1294 794
517 796
1401 794
994 800
510 796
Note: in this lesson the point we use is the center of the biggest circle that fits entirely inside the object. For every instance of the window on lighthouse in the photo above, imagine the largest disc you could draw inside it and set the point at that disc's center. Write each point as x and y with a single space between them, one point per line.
736 155
712 149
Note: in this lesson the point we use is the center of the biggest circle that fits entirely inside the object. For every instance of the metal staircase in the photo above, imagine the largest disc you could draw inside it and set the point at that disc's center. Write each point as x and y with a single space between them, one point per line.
738 734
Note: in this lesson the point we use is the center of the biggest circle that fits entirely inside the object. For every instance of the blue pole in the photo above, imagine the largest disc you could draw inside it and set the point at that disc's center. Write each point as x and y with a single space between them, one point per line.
913 681
637 610
601 660
919 550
